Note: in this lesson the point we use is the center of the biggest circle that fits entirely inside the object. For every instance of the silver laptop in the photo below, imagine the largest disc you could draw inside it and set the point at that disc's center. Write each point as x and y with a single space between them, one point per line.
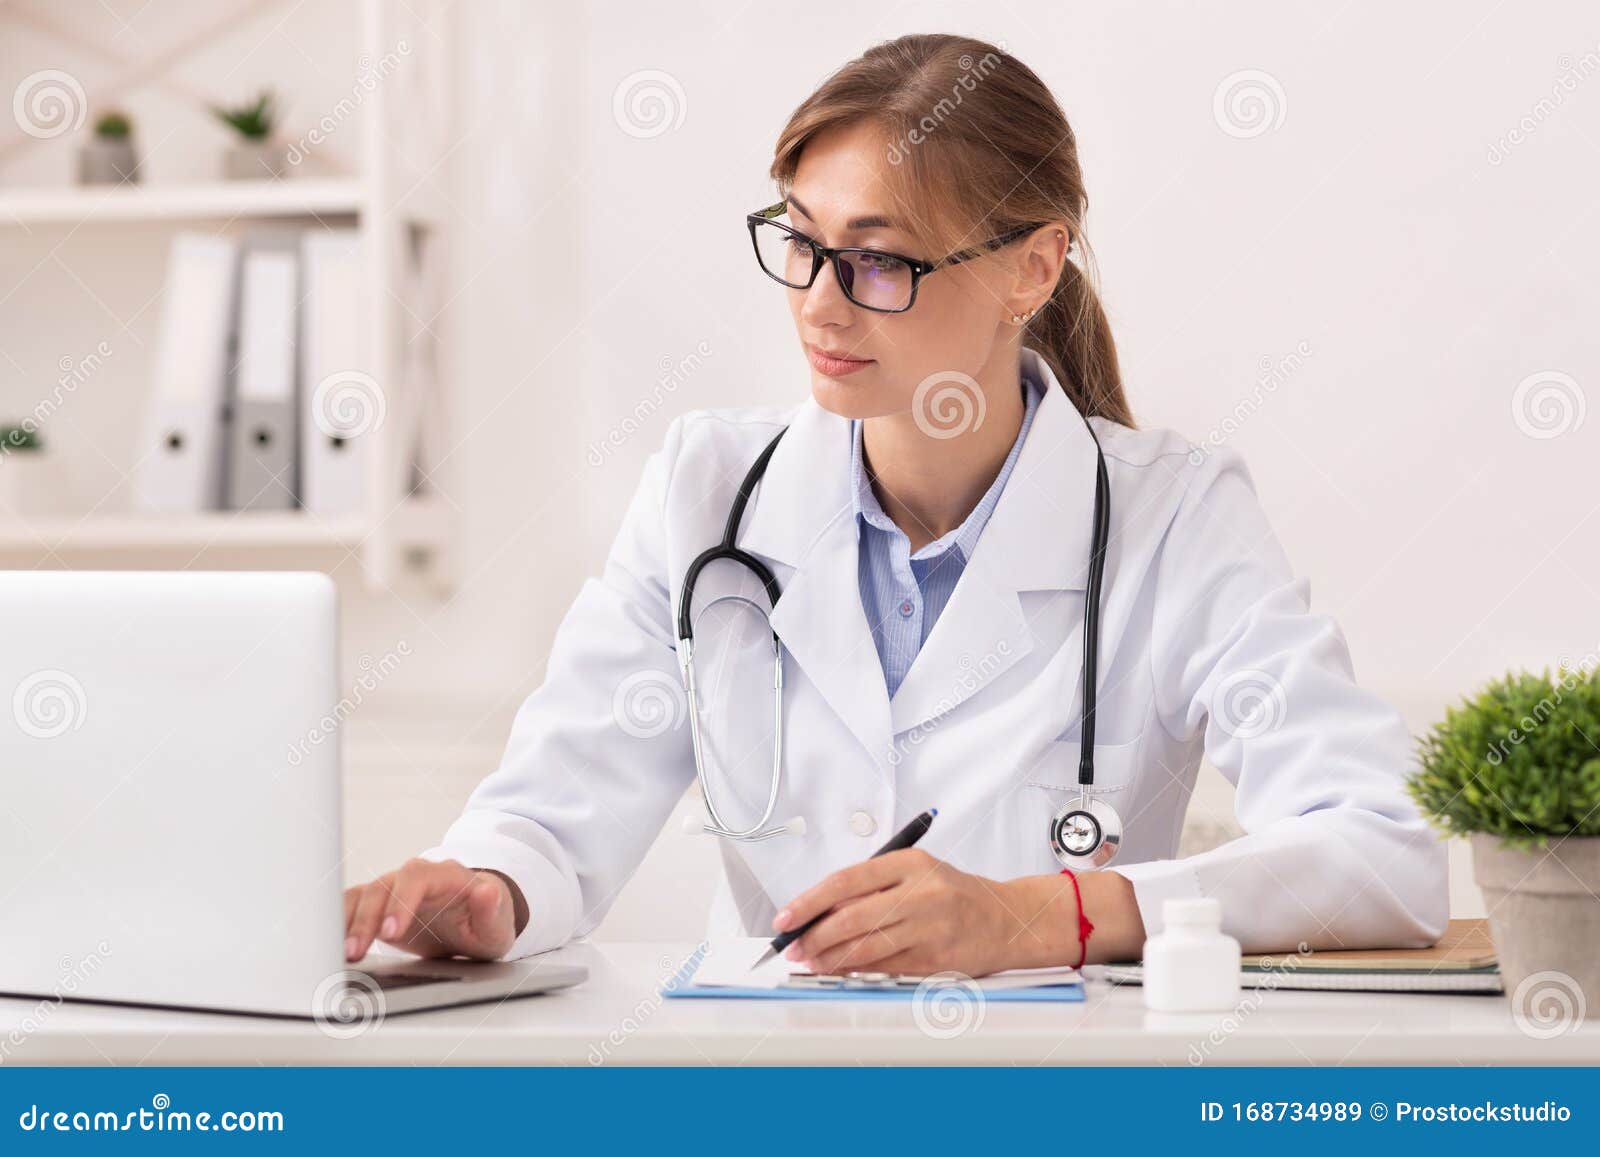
169 823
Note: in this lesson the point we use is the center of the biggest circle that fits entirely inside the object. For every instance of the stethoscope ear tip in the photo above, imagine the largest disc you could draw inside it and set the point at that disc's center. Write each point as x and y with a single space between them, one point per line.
692 825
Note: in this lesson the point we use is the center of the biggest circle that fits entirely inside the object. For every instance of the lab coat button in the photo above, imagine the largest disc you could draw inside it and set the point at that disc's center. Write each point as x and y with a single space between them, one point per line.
863 824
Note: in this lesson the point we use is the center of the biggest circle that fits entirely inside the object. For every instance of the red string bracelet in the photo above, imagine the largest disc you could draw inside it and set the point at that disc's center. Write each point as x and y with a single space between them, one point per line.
1085 927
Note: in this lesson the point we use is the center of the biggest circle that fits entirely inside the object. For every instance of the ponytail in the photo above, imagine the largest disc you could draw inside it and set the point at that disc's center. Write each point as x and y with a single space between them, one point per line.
1073 335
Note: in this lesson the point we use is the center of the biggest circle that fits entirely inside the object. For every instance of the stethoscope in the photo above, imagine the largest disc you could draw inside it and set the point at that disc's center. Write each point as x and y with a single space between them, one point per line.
1084 833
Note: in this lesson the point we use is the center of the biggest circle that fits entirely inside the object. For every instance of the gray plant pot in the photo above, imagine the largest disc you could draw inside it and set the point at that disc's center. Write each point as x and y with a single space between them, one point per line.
1544 915
108 162
262 161
24 484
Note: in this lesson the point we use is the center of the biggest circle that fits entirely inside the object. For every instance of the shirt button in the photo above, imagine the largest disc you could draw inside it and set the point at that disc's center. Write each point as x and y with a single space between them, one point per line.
862 824
905 609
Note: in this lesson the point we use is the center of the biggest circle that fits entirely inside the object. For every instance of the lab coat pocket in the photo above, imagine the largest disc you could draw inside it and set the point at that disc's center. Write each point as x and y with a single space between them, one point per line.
1116 765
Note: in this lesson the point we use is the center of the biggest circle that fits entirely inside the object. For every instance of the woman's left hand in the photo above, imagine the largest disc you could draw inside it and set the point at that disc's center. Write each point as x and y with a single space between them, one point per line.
909 913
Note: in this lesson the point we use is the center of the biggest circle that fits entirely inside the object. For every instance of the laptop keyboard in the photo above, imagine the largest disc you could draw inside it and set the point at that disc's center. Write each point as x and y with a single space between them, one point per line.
388 981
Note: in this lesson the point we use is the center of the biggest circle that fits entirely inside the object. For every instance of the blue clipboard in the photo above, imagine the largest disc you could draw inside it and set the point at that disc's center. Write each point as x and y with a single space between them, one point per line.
678 986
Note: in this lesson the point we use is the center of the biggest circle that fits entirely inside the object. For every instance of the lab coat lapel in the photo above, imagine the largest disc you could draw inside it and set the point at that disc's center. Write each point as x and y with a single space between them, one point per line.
1037 539
802 517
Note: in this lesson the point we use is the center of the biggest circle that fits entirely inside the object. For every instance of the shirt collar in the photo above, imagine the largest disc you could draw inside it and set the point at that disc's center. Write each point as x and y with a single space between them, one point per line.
869 510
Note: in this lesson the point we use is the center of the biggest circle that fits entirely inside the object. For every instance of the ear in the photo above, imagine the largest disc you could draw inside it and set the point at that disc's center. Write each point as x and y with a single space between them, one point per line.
1041 256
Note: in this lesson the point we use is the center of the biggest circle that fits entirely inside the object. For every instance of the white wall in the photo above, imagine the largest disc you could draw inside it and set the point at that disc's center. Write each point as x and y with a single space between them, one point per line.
1371 225
1384 226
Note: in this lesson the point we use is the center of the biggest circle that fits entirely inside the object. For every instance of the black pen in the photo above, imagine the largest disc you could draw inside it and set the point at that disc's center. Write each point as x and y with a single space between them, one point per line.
902 839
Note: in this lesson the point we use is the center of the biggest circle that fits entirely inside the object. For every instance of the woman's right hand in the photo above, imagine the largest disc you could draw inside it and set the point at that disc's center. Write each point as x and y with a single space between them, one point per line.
434 908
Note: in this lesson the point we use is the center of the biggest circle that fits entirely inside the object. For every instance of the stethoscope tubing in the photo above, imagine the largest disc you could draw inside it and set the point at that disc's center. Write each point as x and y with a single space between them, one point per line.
1100 536
727 549
718 826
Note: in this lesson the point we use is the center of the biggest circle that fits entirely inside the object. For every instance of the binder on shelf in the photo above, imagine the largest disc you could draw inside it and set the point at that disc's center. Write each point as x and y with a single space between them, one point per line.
181 458
342 406
422 440
265 426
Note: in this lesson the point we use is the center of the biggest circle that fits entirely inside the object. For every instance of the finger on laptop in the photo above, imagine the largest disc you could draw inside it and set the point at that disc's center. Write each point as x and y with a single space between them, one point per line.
420 886
363 926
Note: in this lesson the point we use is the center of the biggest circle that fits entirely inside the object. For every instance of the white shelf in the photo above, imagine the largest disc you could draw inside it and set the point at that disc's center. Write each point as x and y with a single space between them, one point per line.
420 526
394 199
221 200
153 532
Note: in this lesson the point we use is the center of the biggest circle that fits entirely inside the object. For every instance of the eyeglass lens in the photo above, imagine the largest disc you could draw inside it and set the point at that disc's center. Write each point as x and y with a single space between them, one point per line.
874 280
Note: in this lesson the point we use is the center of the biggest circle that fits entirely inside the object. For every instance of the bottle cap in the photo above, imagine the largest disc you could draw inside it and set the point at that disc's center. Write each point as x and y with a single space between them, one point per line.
1195 912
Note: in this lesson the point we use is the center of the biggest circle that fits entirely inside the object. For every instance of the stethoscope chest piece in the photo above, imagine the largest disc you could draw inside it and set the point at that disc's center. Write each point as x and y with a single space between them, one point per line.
1085 834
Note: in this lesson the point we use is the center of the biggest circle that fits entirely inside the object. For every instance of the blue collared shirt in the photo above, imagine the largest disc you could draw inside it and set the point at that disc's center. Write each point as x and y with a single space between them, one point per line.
904 593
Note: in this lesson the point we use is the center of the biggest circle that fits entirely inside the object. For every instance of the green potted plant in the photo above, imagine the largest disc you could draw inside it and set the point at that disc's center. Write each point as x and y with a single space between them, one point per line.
1516 770
109 157
256 155
21 460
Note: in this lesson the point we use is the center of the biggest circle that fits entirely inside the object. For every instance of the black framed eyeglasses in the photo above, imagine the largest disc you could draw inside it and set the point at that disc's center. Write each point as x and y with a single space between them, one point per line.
871 278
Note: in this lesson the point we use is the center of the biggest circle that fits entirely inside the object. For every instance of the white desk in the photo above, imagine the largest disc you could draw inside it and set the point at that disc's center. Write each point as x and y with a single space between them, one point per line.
619 1018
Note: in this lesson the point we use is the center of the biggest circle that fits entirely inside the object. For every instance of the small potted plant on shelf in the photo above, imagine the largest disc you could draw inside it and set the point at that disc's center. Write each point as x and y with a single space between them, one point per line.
257 156
109 158
1517 771
21 462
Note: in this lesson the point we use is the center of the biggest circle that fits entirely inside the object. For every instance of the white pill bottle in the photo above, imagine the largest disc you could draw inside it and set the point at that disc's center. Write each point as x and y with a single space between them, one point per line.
1191 966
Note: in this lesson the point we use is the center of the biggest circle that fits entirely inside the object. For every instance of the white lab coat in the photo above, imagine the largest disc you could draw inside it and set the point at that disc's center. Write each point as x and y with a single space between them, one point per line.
1207 645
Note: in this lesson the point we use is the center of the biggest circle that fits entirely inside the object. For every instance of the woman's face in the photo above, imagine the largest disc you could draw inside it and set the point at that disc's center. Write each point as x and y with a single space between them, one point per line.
959 321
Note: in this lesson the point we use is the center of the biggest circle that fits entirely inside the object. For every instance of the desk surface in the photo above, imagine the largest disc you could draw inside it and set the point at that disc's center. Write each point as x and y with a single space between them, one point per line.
618 1017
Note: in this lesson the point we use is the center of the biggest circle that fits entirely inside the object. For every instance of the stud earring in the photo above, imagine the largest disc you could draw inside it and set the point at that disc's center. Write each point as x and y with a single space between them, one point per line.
1022 318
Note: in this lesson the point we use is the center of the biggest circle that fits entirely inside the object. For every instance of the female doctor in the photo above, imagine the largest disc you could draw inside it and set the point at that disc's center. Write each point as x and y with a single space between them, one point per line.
927 520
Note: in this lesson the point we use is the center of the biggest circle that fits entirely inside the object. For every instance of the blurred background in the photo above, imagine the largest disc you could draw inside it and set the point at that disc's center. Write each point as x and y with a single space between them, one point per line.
1355 242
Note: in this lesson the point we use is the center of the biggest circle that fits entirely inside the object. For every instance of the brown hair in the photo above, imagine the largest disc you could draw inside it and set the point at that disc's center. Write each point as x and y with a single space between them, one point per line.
977 146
